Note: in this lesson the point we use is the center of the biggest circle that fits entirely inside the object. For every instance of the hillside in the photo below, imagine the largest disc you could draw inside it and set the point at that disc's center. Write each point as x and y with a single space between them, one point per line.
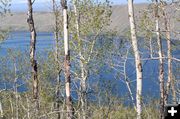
44 20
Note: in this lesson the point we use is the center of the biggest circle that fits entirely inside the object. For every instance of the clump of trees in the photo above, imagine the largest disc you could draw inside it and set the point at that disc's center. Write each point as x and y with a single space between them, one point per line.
72 81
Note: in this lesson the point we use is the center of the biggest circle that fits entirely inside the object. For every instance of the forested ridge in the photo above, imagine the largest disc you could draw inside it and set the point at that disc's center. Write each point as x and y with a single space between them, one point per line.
89 59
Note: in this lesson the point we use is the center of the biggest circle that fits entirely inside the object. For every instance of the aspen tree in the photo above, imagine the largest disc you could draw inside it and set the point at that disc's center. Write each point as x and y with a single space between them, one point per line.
33 61
69 105
170 82
1 110
161 62
82 67
137 59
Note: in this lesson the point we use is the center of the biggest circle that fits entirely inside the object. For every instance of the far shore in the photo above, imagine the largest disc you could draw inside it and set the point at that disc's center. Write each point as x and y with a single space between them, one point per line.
44 21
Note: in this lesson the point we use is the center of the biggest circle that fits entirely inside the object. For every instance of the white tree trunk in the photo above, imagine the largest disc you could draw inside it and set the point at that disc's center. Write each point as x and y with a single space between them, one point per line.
67 62
1 110
161 62
137 59
33 61
66 41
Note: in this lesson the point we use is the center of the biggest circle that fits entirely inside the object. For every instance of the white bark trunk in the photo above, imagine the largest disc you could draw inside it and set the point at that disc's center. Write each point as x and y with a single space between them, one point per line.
66 45
1 110
137 59
69 107
66 41
161 63
33 61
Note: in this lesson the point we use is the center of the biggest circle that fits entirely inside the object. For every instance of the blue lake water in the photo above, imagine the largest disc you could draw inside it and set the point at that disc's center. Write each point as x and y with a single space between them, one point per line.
21 41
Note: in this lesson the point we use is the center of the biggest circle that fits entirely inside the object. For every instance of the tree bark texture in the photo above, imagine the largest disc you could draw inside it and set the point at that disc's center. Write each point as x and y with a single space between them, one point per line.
137 59
161 62
69 106
32 54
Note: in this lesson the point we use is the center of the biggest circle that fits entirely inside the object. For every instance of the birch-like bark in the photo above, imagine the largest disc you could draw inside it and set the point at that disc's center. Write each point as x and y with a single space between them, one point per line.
83 97
170 81
137 59
1 110
33 61
70 112
161 62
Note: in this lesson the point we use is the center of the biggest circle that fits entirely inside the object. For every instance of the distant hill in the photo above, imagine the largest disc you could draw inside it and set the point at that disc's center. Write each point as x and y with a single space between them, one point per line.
44 20
17 22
